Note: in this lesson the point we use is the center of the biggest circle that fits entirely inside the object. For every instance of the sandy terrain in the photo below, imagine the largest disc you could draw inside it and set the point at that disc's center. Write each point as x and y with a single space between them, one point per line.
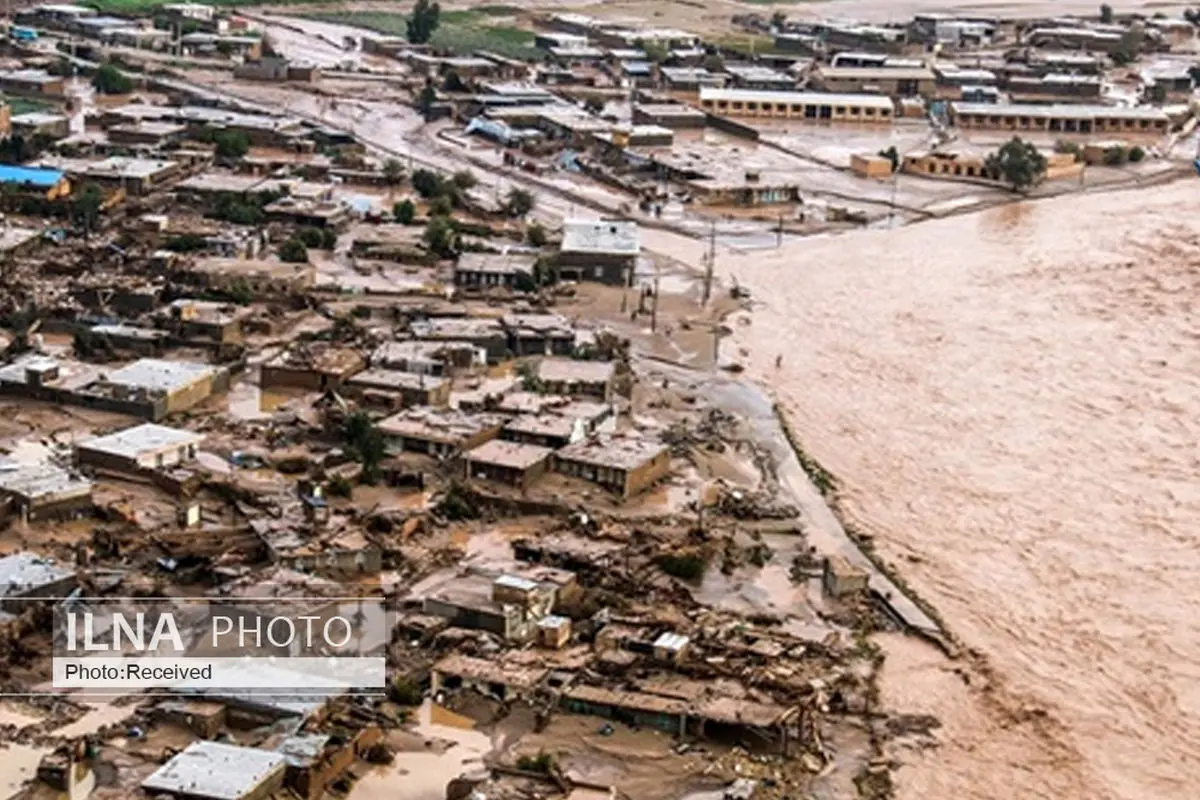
1011 399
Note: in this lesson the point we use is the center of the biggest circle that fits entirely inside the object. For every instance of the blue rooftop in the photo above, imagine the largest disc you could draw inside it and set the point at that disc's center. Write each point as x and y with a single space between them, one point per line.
30 176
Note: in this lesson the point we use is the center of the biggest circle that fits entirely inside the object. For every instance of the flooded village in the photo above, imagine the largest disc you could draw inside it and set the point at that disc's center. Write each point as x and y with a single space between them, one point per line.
683 383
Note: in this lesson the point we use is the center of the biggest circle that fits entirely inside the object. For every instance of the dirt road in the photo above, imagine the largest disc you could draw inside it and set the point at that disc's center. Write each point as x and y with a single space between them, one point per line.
1012 400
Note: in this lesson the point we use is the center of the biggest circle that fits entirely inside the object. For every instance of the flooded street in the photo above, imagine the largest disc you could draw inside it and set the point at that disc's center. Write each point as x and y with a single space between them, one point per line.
424 775
1011 401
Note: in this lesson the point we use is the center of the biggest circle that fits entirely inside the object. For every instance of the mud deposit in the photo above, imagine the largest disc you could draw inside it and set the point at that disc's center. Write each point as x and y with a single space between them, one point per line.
1011 400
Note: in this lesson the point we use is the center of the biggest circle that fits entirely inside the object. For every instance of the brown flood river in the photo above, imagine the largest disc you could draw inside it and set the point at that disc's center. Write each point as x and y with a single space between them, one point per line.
1012 402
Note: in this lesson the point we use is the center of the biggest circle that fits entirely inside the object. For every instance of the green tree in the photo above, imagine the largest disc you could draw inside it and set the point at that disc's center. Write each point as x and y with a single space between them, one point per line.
778 20
110 80
1018 163
594 105
310 237
519 202
404 211
426 182
1106 14
892 155
1064 146
329 239
293 251
656 52
440 237
713 62
1136 154
365 444
1115 156
441 206
87 207
240 292
231 144
535 234
425 18
393 171
464 179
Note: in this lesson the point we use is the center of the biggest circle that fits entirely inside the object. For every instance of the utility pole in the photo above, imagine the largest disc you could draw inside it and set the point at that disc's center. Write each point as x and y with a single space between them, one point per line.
779 233
710 259
654 302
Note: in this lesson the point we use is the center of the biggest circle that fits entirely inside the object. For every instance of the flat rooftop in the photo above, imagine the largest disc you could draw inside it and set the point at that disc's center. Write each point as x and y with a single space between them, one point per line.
496 263
216 770
155 374
390 379
539 323
399 352
604 236
21 573
513 455
148 438
250 267
456 328
621 452
1061 111
321 357
548 424
572 371
41 481
445 426
796 98
492 672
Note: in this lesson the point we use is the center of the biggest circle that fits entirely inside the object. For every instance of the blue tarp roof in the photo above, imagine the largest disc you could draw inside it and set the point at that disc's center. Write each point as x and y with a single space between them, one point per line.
30 176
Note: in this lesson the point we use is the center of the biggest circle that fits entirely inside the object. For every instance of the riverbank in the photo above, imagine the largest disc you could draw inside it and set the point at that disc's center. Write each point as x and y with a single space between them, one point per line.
1007 399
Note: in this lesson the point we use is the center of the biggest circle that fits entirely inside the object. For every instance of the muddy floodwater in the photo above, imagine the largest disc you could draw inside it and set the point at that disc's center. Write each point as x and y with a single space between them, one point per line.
455 748
1011 400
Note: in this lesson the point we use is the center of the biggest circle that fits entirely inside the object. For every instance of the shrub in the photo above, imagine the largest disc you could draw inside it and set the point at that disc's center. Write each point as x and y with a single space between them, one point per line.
440 237
1115 156
465 179
339 486
293 251
240 292
426 182
406 693
687 566
519 202
456 504
404 212
1136 154
185 243
535 234
393 171
1063 146
232 144
310 236
110 80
